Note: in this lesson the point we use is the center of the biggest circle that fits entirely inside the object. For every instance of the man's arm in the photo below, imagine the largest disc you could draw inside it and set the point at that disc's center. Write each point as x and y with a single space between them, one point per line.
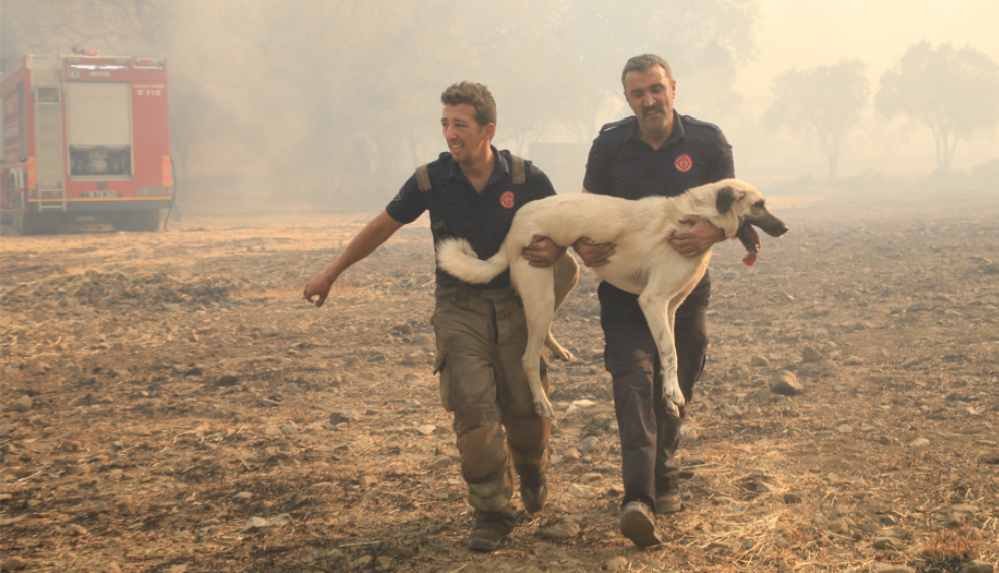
702 235
376 232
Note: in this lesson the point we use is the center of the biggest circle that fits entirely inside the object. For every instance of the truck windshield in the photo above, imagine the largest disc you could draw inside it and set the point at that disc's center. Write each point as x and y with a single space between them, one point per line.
99 118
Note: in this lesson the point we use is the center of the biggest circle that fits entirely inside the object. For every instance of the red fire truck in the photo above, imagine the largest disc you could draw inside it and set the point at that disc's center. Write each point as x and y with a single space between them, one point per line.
84 138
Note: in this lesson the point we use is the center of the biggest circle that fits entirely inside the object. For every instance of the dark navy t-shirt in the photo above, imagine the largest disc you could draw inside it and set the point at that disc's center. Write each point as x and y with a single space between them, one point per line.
457 210
622 165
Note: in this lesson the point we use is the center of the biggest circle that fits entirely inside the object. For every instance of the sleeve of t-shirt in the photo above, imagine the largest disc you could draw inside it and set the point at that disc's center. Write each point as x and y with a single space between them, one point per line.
597 178
540 182
723 167
409 203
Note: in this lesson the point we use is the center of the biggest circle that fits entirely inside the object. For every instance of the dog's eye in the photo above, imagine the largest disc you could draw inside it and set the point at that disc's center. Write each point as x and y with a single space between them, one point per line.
759 204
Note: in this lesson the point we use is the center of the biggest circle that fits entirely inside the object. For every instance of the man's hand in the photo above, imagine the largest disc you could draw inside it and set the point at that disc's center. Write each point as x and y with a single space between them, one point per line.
318 288
593 254
542 252
698 239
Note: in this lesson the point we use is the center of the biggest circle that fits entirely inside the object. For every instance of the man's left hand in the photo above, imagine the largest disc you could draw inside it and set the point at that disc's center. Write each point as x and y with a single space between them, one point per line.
542 252
697 239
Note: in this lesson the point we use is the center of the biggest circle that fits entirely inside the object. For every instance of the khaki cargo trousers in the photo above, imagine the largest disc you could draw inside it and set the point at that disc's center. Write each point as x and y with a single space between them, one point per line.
481 334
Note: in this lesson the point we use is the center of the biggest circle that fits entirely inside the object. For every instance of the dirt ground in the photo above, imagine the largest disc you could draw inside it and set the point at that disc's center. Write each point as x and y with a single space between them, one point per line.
169 403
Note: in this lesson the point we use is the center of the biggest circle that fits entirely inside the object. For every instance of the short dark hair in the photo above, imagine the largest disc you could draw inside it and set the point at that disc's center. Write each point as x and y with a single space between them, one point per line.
644 62
475 95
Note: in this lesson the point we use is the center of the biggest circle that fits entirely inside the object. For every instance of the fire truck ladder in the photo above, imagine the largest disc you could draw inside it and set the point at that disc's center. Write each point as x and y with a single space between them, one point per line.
49 138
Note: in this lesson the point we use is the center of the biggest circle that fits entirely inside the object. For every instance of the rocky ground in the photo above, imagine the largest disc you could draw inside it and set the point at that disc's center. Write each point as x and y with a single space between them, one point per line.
168 403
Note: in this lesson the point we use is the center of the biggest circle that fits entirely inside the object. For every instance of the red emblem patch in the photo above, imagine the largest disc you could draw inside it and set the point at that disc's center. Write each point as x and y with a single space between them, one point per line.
683 163
506 199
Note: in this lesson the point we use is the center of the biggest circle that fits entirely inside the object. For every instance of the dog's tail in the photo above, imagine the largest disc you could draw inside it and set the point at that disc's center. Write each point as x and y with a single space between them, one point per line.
457 257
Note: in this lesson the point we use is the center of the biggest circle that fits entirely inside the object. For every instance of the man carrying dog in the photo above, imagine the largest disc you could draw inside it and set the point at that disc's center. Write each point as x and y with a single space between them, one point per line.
472 191
656 151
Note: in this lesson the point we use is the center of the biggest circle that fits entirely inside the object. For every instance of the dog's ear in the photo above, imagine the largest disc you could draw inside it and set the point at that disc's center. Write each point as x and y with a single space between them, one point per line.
725 198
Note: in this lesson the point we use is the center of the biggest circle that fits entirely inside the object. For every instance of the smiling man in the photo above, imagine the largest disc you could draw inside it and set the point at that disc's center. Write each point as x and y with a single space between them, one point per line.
472 191
654 152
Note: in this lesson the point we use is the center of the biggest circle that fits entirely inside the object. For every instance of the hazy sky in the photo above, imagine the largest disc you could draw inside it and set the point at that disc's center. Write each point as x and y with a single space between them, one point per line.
806 33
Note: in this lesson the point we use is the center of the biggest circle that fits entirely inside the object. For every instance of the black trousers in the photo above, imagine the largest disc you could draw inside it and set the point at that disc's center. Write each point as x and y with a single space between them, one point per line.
649 432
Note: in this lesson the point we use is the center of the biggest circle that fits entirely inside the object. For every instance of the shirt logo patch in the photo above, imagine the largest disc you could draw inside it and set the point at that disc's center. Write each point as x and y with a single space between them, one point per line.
506 200
683 163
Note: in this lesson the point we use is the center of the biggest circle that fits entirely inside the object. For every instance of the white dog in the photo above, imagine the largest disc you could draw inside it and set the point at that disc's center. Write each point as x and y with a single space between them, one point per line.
643 263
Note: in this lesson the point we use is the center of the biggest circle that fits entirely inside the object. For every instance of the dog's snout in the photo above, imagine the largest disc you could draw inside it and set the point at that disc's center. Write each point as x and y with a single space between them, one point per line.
772 226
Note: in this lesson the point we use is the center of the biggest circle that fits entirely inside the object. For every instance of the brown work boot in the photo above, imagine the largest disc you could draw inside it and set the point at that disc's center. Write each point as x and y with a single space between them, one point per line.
533 490
639 524
490 529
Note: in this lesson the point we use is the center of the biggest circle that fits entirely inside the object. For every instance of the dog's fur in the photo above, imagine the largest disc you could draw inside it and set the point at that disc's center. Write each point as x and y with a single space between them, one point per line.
643 262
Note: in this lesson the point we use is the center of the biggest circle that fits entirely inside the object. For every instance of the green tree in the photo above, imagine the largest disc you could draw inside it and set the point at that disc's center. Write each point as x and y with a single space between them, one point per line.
953 92
824 103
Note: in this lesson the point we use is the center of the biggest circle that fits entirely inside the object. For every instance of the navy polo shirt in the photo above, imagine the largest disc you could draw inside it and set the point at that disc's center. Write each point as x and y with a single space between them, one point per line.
622 165
457 210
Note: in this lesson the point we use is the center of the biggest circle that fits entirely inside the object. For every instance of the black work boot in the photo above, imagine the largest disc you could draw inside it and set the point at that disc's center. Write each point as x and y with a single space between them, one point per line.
490 529
639 524
668 501
533 489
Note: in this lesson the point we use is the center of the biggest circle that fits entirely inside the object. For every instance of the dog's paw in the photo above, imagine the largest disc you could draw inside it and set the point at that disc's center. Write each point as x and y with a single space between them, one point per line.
674 397
544 409
562 354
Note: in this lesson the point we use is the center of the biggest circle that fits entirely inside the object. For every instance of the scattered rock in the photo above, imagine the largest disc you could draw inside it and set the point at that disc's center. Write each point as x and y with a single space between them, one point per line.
244 496
919 443
977 567
257 522
886 544
891 568
792 498
23 404
578 405
362 562
810 354
616 564
786 383
13 564
844 428
561 530
588 444
991 458
226 380
572 454
342 417
759 361
426 429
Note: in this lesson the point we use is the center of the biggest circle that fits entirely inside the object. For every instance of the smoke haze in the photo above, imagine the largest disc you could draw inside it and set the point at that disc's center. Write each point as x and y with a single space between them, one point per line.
331 104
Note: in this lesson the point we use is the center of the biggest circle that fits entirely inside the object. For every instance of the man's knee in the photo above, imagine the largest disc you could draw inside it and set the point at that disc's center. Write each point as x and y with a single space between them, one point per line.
483 452
631 362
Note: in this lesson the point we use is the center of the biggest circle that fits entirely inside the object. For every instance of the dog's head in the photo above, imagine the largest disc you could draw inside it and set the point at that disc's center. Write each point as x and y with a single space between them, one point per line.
740 206
743 202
